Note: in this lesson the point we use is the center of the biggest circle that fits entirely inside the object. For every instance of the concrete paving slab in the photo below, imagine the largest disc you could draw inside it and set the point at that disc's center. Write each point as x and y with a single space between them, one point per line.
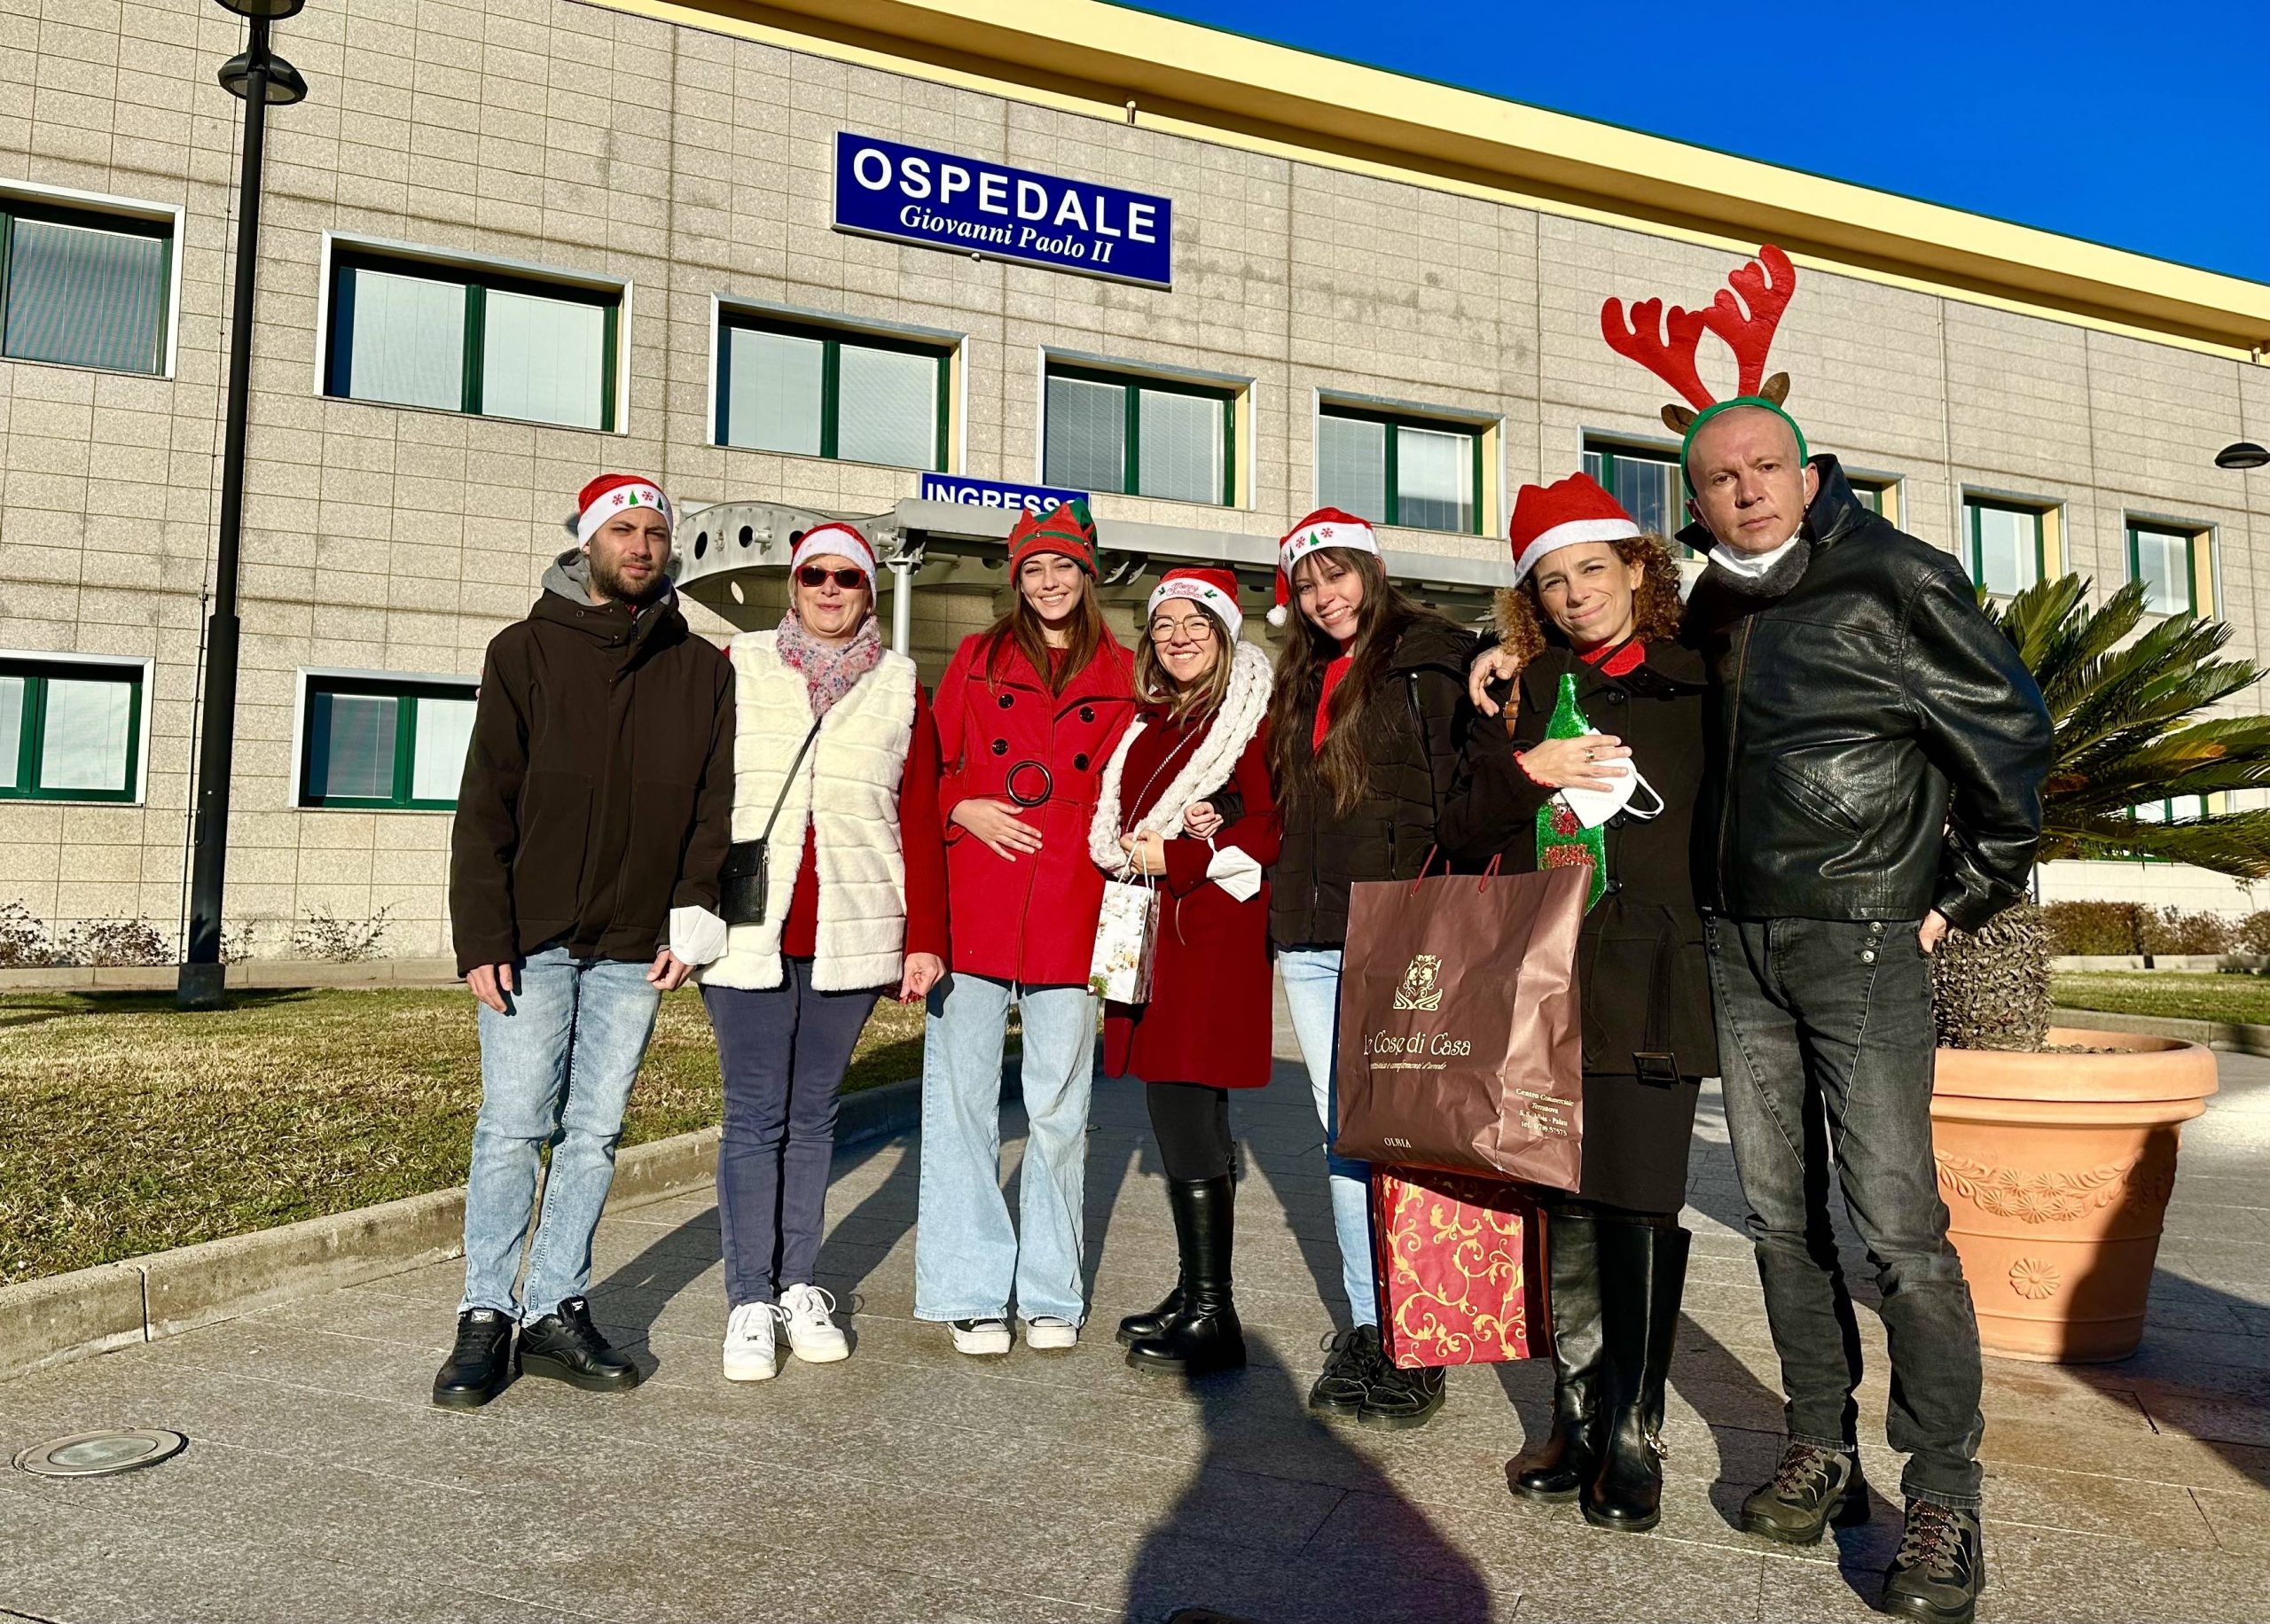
909 1482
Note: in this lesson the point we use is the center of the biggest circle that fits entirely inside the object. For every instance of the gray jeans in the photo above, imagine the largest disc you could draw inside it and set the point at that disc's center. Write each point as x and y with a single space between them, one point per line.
1826 1046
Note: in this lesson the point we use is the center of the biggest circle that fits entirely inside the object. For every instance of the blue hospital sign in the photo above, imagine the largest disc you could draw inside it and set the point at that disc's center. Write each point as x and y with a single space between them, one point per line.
910 194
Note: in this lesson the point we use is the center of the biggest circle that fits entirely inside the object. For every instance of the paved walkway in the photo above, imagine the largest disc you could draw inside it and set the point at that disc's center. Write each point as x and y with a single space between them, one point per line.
911 1484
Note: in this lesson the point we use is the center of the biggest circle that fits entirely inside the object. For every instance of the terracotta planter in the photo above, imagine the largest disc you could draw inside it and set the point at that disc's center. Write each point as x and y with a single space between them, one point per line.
2056 1169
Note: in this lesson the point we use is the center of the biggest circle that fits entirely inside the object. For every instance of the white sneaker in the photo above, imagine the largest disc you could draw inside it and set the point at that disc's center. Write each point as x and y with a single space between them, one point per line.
813 1337
749 1355
1048 1331
981 1336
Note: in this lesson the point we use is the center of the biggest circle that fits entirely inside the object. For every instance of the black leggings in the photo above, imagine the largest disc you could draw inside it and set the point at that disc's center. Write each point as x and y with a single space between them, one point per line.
1192 1122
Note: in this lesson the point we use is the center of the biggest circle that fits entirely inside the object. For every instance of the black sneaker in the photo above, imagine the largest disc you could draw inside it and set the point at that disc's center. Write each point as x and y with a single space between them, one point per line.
1811 1488
1348 1373
566 1346
1401 1398
480 1366
1940 1567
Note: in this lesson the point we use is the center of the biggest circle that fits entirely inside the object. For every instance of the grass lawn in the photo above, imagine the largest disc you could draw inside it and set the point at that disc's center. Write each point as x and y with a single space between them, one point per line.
2168 992
128 1126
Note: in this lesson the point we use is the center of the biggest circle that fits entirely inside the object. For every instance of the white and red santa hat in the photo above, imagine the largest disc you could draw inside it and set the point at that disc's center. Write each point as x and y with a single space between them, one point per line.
1216 590
1325 528
842 539
1548 518
615 493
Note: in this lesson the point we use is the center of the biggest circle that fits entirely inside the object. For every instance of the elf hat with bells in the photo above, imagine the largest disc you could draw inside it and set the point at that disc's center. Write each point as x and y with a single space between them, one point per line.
1665 342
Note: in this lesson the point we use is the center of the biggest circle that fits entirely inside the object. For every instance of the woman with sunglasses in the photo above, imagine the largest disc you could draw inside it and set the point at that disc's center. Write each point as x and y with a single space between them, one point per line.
1205 1028
835 773
1028 714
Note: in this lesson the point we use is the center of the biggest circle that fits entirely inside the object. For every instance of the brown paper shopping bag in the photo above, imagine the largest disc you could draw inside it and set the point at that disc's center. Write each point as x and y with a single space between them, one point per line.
1460 1043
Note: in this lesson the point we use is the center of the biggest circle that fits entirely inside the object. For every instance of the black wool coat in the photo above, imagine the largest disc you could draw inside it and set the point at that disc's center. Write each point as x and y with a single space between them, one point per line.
1643 982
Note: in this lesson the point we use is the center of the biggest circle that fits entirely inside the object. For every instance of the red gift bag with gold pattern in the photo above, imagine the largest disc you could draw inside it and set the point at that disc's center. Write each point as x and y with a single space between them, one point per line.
1462 1269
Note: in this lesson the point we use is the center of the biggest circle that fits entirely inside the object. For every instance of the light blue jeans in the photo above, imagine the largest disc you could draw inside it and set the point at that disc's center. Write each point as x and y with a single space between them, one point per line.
556 1070
967 1258
1312 977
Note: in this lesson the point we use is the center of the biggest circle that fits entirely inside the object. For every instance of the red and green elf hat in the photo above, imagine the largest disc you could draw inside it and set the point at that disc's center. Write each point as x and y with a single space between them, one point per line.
1066 528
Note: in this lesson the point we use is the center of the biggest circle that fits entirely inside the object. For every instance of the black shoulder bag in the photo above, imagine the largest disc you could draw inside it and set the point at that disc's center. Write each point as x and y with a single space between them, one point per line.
741 882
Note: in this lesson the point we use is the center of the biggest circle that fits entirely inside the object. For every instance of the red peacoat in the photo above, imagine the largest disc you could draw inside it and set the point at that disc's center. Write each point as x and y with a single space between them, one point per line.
1209 1017
1030 921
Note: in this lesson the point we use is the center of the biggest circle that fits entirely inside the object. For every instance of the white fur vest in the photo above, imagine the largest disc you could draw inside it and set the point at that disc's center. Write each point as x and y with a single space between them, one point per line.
847 792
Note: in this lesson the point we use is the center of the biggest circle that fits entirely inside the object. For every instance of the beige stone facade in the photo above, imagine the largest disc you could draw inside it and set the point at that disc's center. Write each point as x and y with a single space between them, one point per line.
691 166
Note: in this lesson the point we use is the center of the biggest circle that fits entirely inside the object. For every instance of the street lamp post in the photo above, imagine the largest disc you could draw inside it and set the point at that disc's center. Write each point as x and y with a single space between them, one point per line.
260 79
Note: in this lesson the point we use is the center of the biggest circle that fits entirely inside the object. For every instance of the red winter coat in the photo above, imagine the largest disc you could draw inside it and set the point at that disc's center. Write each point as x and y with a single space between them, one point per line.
1032 921
1209 1016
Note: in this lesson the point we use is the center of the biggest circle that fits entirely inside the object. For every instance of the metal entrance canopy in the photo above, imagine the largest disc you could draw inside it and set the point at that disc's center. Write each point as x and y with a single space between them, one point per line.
928 543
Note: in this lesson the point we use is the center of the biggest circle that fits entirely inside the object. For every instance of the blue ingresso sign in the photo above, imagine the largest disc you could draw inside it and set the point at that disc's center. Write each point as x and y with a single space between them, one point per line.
912 194
994 493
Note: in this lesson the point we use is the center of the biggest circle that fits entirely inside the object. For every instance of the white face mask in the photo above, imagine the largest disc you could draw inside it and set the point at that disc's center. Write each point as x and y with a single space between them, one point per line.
1594 807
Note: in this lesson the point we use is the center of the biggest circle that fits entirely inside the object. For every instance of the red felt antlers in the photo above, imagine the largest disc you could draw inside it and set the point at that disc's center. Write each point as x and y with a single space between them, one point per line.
1665 342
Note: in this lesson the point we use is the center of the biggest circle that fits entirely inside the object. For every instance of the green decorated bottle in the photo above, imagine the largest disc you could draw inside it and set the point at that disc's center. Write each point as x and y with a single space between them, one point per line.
1562 840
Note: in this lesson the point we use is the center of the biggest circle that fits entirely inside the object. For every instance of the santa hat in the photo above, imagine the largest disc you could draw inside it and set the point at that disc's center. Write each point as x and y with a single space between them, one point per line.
1216 590
1325 528
1565 513
1065 529
840 539
615 493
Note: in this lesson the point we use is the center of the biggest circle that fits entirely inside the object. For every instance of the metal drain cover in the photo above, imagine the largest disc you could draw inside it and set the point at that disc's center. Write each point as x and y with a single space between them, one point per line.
95 1455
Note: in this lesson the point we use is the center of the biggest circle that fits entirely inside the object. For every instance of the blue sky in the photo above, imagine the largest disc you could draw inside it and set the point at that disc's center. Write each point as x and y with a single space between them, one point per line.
2144 127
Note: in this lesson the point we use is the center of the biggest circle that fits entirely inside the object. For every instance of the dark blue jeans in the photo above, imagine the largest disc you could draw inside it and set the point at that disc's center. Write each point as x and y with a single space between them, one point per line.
1826 1045
783 1051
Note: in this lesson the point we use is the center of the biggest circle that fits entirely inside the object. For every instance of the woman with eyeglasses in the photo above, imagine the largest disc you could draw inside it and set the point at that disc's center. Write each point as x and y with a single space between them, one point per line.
835 771
1201 696
1029 711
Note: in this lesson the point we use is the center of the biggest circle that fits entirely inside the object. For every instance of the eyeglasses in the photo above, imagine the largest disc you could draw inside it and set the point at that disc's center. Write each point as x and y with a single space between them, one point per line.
1197 629
819 575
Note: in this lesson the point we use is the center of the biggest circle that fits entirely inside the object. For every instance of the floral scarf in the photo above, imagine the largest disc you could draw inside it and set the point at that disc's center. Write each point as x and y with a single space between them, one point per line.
831 669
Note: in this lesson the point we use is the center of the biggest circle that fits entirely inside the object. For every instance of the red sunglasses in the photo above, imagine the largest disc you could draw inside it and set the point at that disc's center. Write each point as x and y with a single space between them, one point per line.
819 575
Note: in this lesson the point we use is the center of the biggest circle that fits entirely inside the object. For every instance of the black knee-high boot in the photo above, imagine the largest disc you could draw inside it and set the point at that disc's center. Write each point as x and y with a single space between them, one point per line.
1137 1326
1643 1273
1558 1468
1206 1335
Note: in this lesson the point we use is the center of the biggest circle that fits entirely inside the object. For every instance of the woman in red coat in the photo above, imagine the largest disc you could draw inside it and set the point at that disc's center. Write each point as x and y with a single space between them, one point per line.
1206 1026
1027 713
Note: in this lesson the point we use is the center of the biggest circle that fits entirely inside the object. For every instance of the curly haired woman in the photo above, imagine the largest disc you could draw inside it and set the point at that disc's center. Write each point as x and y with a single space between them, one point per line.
1596 606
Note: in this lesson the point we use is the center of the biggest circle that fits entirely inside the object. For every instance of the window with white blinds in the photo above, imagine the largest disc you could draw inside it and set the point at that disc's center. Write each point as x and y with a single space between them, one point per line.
83 288
69 729
1139 436
1394 470
383 744
813 390
409 333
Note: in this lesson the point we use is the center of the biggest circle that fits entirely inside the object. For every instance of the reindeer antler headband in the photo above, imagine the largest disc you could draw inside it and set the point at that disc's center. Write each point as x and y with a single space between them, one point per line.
1665 342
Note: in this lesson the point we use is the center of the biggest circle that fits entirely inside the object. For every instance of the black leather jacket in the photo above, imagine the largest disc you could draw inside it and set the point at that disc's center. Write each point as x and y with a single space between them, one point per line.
1876 747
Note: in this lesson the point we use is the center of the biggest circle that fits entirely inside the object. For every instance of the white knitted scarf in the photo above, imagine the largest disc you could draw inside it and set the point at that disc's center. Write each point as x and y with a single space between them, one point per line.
1208 768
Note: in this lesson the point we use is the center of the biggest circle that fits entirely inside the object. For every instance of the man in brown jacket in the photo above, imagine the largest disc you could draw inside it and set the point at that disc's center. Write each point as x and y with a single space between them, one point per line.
594 816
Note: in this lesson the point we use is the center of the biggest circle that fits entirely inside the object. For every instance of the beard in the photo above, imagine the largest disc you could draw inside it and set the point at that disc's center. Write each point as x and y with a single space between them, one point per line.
612 584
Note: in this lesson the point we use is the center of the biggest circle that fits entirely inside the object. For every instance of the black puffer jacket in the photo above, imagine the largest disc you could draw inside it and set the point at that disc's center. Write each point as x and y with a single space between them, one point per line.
1413 750
1876 748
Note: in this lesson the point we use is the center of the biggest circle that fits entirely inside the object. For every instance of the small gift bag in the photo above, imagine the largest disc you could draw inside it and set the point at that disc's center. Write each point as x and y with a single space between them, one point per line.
1462 1269
1127 938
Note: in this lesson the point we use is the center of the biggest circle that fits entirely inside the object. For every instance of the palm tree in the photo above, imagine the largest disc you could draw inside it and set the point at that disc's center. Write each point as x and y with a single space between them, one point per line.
2130 731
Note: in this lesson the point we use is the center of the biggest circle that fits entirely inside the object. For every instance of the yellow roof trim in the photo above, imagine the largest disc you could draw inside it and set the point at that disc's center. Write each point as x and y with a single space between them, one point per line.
1202 82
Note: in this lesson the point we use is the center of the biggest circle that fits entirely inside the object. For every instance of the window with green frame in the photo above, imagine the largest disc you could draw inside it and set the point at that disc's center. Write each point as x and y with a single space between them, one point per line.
1140 436
405 333
2165 558
1646 481
69 730
381 744
1399 470
2002 545
816 391
83 288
